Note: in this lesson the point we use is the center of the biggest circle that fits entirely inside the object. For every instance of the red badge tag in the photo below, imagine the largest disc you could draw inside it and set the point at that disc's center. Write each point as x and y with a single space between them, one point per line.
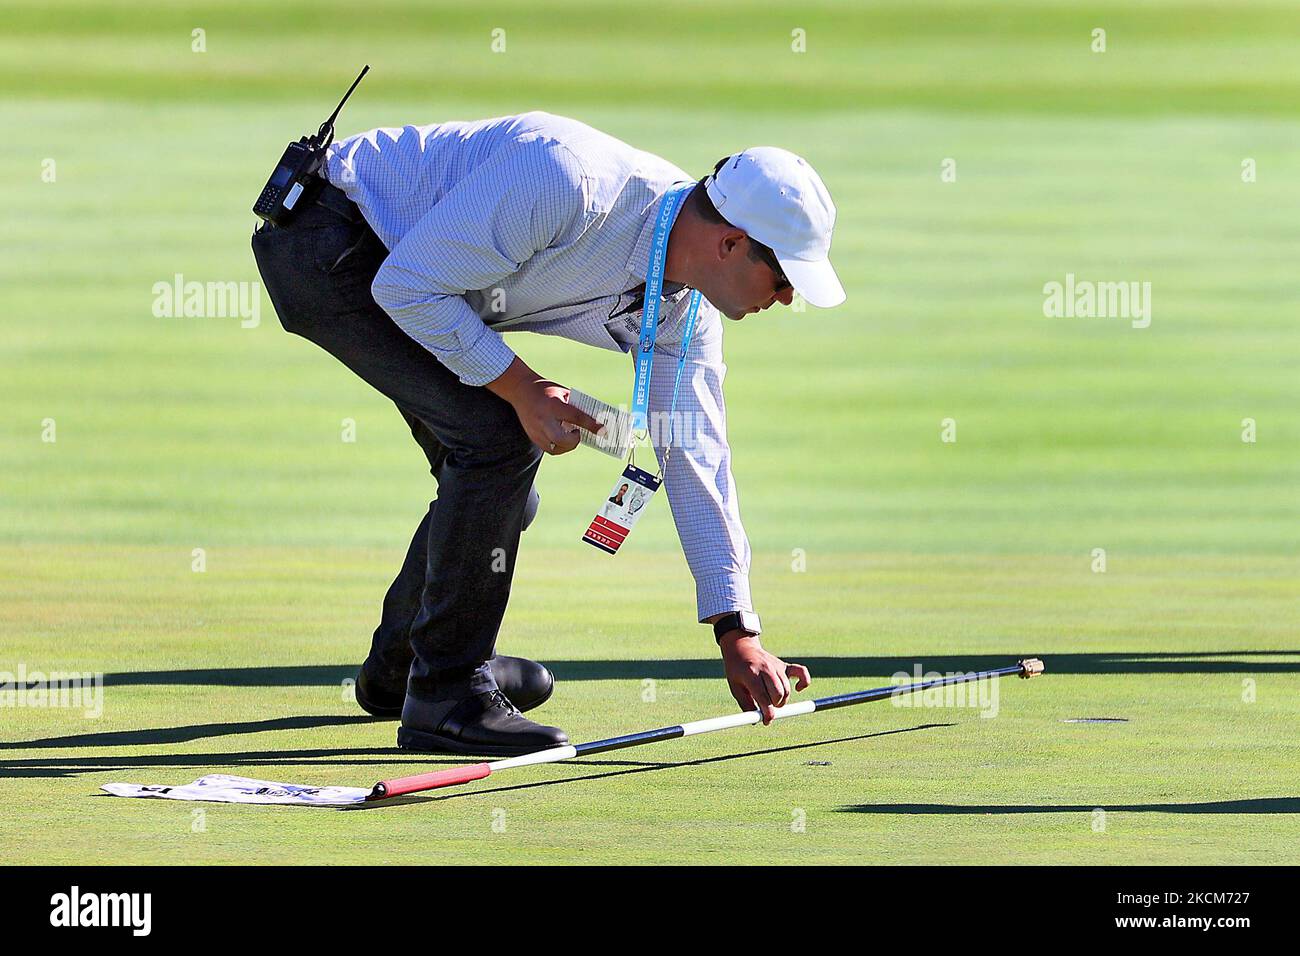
616 517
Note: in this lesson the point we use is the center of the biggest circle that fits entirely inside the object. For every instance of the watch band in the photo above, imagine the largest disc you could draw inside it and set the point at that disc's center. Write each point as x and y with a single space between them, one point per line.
746 621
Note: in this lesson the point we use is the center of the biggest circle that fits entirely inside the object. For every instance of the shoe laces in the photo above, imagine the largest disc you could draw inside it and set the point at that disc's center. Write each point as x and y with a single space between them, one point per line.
497 699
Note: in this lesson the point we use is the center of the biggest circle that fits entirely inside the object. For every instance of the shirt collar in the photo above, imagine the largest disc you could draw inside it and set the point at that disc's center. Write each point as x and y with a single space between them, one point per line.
639 262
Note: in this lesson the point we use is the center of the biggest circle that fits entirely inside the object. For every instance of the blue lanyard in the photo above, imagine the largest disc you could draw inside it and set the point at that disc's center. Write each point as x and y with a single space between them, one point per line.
669 206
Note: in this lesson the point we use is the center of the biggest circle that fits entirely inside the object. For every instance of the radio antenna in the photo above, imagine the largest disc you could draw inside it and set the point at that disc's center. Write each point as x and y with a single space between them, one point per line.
323 141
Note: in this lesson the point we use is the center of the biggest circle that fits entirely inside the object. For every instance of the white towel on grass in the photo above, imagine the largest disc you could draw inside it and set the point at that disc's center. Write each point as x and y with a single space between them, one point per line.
224 788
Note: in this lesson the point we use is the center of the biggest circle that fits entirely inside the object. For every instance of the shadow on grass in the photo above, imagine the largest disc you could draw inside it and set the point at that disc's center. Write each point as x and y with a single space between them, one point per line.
867 668
639 768
1118 662
1256 805
56 767
185 733
71 766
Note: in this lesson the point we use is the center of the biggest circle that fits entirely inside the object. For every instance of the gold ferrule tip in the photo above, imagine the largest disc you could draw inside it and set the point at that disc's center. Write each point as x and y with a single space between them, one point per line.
1031 667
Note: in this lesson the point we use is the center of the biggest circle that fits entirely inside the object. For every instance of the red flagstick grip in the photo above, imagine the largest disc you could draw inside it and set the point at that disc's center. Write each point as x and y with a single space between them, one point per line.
429 781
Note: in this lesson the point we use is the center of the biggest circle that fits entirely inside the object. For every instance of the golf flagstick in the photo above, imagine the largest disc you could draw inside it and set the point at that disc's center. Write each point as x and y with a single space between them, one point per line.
399 786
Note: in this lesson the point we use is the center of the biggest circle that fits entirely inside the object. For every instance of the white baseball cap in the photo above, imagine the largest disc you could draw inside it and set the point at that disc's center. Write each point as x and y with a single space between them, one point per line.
780 201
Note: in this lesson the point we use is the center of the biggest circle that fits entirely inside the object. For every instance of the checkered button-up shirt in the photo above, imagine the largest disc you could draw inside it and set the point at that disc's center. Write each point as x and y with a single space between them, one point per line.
540 223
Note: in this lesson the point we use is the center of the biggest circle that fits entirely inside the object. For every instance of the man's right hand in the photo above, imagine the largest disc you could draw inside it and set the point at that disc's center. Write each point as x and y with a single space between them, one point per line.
757 679
543 408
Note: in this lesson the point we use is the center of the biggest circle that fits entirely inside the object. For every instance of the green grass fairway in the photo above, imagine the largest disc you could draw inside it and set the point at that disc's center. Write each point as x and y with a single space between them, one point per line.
877 546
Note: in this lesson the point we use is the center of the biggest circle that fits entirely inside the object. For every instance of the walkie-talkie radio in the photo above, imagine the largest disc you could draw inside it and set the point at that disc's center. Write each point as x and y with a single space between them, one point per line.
293 174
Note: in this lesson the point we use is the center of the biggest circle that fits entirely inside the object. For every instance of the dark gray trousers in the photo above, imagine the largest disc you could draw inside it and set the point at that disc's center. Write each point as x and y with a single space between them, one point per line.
442 613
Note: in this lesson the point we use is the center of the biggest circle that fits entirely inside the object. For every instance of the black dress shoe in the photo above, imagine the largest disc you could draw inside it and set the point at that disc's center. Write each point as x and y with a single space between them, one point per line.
486 725
527 683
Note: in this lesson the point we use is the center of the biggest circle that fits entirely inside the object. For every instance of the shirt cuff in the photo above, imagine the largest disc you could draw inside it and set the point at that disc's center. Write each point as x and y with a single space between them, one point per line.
483 362
722 593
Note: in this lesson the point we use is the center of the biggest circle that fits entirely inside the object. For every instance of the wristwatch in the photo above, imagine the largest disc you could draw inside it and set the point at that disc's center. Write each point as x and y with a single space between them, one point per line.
746 621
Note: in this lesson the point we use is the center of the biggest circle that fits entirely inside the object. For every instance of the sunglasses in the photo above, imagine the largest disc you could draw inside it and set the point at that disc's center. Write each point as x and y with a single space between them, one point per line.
768 258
